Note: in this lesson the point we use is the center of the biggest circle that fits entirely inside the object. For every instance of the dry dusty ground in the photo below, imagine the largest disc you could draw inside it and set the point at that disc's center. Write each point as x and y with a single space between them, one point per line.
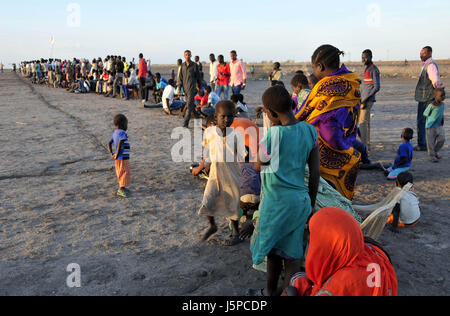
57 205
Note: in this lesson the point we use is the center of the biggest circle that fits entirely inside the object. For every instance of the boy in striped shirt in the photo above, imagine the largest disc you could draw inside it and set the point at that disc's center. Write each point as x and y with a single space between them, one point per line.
121 155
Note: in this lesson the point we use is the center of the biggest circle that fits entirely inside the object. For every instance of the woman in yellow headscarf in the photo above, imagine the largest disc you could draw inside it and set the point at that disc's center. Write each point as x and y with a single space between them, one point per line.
333 108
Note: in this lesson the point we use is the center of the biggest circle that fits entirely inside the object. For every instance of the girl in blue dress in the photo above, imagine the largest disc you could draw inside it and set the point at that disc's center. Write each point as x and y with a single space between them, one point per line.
287 202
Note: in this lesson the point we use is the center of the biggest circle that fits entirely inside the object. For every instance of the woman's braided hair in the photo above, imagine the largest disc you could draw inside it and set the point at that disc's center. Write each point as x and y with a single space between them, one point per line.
328 55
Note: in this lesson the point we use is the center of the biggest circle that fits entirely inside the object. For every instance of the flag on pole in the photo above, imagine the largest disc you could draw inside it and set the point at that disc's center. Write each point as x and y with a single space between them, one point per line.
52 40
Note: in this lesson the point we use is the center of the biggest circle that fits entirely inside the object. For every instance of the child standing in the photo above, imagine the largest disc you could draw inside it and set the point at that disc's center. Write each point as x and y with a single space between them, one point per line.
122 154
225 151
286 201
435 125
404 157
407 212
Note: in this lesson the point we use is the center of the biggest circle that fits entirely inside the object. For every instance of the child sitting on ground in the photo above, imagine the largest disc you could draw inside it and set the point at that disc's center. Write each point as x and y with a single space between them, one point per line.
300 87
213 99
121 155
407 212
435 125
241 107
225 151
161 84
108 87
404 157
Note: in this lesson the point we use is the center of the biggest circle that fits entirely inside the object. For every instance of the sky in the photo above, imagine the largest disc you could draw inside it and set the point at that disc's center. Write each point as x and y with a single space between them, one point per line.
259 30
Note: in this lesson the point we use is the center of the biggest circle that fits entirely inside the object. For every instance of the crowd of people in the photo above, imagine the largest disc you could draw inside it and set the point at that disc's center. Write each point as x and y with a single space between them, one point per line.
290 188
111 77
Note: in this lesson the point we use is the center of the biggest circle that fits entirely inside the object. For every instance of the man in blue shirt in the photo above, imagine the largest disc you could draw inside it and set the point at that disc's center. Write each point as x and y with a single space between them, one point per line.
161 84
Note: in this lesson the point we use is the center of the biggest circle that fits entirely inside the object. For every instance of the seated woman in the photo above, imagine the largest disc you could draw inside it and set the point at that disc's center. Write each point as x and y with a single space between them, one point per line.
332 108
341 262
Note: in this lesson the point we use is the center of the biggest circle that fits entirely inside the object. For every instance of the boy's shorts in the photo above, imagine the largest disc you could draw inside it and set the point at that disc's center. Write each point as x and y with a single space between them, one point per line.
393 173
400 224
123 173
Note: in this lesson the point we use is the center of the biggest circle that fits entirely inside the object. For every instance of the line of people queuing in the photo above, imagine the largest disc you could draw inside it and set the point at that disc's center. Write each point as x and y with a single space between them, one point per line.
306 154
111 77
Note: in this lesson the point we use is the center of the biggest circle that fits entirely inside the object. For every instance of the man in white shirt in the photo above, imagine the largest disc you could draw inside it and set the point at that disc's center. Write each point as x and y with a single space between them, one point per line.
108 64
149 65
213 73
169 101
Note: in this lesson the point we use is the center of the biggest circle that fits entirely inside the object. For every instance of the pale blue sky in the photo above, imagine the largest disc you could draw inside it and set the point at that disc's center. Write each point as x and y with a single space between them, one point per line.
258 29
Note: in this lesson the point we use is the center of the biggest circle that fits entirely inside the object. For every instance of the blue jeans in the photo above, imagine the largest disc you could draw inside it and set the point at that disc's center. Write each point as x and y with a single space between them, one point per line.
125 91
361 147
421 122
176 105
223 89
393 173
208 111
236 89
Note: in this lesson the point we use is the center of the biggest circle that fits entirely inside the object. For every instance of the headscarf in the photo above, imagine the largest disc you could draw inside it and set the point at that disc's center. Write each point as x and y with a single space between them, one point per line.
340 263
333 109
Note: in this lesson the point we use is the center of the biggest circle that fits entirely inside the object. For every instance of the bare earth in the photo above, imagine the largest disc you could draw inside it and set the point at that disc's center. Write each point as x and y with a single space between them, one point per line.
57 204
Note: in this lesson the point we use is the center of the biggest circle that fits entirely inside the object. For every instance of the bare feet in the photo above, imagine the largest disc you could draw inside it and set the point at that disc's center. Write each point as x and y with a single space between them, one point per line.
235 240
211 231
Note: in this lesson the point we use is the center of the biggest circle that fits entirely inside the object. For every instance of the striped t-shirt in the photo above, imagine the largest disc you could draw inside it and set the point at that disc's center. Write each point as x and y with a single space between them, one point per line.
119 135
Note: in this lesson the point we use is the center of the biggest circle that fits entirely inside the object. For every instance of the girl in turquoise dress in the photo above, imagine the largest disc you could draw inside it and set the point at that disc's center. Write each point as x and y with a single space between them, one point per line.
287 202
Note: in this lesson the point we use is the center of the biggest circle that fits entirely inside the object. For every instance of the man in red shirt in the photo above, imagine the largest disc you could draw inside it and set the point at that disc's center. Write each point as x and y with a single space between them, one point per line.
223 81
142 76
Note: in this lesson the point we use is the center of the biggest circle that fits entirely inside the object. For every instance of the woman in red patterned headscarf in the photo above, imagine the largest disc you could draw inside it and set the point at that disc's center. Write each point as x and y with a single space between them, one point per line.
340 262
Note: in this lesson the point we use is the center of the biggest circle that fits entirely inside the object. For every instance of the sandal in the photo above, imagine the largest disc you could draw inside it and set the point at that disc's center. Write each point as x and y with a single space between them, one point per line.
121 193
